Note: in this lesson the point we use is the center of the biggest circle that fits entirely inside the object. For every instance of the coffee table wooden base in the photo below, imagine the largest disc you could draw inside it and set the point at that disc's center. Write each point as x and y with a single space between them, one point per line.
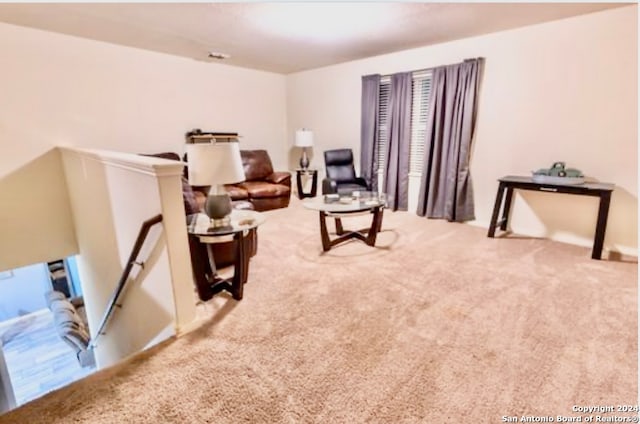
369 238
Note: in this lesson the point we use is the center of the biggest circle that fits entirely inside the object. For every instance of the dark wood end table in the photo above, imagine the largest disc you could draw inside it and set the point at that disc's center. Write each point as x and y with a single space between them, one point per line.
201 232
314 182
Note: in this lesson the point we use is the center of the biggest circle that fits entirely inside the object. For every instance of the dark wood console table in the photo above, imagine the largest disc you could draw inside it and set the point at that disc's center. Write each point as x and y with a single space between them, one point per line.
509 183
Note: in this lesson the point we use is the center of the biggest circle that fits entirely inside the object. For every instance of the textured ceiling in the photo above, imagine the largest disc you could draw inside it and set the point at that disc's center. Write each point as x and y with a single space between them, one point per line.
284 37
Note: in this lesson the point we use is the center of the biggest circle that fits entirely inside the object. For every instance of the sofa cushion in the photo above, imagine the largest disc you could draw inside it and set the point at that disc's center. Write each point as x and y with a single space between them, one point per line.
268 203
262 189
279 177
257 164
236 192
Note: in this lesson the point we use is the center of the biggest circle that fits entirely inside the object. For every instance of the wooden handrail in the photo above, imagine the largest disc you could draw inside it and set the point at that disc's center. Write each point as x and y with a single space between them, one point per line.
142 235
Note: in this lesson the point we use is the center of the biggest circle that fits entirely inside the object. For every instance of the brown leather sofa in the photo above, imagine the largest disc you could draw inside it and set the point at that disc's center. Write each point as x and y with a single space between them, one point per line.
264 188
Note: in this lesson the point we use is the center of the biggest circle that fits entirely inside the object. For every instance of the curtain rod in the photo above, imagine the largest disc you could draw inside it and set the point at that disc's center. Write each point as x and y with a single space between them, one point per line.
433 67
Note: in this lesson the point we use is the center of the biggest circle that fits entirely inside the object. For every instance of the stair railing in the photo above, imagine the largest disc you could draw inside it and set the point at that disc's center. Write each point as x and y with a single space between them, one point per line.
142 235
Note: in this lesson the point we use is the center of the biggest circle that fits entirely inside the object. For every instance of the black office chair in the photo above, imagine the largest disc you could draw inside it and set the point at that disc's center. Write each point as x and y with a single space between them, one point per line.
341 175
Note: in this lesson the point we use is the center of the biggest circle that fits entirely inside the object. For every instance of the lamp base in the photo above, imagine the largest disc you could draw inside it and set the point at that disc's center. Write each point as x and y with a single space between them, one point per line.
304 159
218 208
221 223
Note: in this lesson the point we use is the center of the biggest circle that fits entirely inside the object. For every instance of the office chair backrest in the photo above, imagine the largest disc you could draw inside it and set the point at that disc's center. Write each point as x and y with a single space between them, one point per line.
339 165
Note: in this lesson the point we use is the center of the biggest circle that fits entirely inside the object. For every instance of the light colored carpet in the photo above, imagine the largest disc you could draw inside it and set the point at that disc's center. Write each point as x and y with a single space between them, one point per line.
437 324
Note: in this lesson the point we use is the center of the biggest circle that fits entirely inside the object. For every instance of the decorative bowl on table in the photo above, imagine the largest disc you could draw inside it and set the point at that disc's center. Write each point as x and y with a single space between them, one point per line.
558 174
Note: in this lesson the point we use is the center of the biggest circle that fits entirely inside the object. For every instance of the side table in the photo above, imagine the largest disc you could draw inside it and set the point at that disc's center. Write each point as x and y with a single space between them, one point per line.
314 182
510 182
201 232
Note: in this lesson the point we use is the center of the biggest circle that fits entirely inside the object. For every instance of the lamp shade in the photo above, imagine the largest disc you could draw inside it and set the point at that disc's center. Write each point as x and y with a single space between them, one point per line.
304 138
214 163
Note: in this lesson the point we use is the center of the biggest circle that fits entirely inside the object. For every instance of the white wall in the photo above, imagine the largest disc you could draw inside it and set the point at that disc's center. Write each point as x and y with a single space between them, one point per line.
564 90
58 89
35 219
7 397
22 290
62 90
112 194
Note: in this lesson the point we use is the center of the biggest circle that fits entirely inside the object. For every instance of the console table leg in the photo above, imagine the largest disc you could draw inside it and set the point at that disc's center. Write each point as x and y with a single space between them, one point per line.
506 209
496 210
601 227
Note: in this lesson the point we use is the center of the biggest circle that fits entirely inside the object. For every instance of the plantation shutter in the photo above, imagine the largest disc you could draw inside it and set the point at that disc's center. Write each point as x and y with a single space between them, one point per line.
383 107
421 90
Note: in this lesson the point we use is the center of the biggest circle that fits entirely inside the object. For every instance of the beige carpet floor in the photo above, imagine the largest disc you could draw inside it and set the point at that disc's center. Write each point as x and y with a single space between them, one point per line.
437 324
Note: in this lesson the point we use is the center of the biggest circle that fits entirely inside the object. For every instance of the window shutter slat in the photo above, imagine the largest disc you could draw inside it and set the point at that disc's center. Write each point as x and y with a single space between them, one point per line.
383 107
419 111
420 91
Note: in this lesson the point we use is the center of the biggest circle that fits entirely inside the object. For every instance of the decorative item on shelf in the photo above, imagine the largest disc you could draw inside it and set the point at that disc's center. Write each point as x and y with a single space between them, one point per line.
215 163
558 174
304 139
198 136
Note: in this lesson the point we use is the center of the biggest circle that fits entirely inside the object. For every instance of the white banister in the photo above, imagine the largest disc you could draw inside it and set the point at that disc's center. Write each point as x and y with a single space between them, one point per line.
110 194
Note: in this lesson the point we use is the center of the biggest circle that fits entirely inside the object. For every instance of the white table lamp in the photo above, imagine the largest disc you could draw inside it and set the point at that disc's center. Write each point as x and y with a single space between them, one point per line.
215 164
304 139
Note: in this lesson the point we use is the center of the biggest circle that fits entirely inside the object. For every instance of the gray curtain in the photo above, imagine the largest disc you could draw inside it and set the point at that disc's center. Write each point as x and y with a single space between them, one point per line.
369 129
445 189
396 173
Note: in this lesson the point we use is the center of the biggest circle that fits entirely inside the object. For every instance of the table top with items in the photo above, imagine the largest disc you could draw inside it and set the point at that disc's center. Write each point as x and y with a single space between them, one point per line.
239 220
352 202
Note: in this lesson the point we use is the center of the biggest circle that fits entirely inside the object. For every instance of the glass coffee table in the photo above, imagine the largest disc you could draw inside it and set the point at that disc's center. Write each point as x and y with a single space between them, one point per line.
340 206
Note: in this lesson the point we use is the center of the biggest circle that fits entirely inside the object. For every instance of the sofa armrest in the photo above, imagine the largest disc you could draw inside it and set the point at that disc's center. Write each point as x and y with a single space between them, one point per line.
277 177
